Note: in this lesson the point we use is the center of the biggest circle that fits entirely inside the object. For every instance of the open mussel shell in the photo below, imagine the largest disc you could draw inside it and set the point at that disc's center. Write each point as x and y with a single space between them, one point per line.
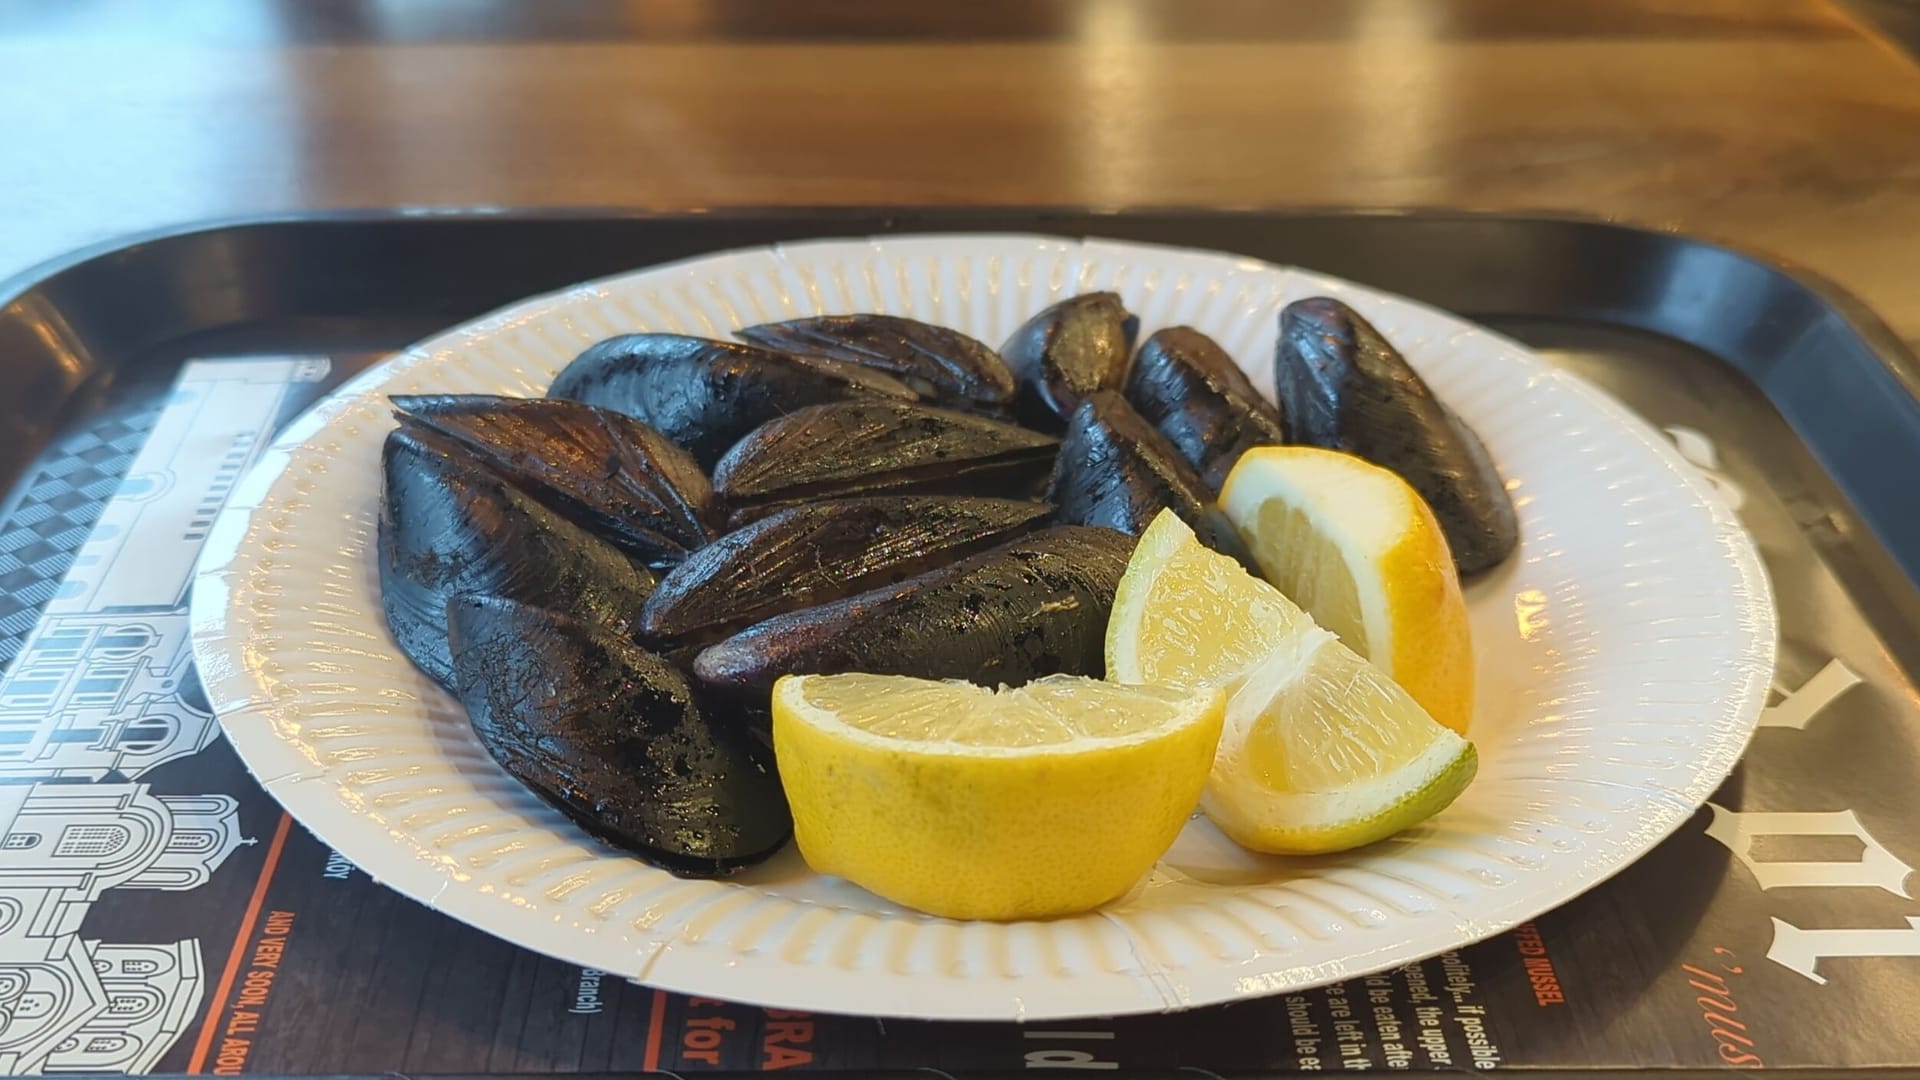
939 363
866 447
1116 471
448 525
1192 392
823 551
704 395
615 738
605 470
1067 351
1034 606
1344 387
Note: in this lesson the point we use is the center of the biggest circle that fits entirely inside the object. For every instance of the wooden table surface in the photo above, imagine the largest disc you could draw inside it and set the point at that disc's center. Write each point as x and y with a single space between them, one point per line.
1785 126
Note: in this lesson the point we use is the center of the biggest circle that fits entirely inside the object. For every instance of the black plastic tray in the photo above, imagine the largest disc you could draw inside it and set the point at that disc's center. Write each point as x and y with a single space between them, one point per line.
1811 405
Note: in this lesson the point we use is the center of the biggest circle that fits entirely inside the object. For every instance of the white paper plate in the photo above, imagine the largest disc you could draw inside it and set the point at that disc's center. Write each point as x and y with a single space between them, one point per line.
1623 658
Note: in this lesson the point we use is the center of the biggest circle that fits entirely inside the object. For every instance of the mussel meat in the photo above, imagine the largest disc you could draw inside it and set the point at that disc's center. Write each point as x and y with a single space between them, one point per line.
821 551
704 395
936 362
1344 387
448 525
605 470
616 738
1116 471
866 447
1034 606
1068 351
1186 386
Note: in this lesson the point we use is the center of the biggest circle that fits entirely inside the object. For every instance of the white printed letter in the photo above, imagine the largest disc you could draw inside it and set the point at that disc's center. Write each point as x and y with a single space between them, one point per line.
1802 950
1875 868
1802 705
1700 453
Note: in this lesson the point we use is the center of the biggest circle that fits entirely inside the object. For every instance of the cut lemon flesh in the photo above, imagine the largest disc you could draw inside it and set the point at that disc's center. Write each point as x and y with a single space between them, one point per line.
971 803
1325 753
1321 751
1057 712
1185 615
1357 548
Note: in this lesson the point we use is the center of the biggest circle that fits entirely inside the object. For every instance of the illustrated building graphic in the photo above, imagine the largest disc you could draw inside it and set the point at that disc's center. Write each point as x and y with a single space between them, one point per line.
101 694
65 1002
153 992
102 684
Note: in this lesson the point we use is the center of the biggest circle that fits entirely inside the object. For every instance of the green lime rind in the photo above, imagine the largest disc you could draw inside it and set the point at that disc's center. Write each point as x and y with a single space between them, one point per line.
1322 837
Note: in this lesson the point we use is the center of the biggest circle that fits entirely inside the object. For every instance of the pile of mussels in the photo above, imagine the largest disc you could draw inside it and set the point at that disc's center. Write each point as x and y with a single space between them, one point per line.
611 578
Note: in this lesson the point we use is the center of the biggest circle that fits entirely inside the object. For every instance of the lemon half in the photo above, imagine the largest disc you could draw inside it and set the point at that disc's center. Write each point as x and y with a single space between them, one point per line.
971 803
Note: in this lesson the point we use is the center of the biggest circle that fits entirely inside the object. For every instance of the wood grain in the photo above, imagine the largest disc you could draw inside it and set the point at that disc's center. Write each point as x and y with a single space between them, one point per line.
1781 126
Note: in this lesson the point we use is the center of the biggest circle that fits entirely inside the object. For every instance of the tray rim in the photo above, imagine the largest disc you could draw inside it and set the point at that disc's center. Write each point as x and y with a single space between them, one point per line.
1904 363
1896 356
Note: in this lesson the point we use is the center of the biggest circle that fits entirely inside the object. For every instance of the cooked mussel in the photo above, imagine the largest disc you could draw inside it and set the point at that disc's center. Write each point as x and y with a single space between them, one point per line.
867 447
603 469
822 551
448 525
1188 388
704 395
1031 607
936 362
1116 471
1068 351
616 738
1344 387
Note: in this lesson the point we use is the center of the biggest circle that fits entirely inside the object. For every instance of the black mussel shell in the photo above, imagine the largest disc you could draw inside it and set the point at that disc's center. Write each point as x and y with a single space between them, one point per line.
448 526
615 738
1344 387
865 447
1034 606
606 470
935 361
822 551
1187 387
1116 471
1068 351
704 395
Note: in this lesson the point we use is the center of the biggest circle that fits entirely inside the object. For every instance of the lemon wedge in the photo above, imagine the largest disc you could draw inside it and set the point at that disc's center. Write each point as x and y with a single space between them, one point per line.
1321 751
1357 547
971 803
